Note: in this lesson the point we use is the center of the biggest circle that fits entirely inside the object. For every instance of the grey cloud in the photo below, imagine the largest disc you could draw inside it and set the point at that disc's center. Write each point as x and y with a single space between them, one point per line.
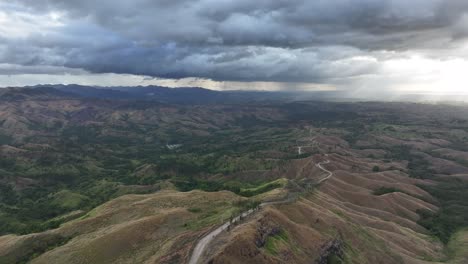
13 69
244 40
296 23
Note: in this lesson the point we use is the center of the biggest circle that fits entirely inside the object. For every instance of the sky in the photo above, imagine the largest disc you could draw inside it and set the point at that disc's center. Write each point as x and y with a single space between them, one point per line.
374 47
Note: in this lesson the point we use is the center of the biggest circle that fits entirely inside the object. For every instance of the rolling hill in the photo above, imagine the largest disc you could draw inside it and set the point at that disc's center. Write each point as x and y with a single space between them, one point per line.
91 175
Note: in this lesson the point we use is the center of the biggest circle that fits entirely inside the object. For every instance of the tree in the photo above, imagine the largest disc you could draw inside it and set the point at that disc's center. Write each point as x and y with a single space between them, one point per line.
376 169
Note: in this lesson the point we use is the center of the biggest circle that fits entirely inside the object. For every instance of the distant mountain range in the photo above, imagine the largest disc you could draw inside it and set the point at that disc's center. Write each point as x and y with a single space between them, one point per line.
197 95
184 95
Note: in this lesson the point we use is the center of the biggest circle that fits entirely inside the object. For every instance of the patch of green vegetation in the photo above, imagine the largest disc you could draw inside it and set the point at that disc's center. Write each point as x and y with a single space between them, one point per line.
341 214
69 200
247 204
334 259
396 131
272 242
212 217
194 210
453 213
385 190
354 132
371 243
457 248
263 188
460 161
67 217
418 166
7 163
41 248
5 139
192 183
101 191
352 255
7 195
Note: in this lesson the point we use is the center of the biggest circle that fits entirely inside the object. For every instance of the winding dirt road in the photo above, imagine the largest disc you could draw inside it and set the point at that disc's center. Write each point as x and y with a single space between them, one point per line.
319 165
201 245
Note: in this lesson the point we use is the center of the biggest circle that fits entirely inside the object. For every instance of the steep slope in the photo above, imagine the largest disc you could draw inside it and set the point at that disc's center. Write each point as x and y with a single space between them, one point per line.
154 228
342 219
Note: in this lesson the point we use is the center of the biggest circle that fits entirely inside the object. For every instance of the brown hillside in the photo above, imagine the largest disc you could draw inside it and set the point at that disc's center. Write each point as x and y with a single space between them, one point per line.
154 228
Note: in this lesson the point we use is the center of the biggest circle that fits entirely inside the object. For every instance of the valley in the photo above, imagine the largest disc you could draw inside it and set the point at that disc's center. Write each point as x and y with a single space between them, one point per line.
92 180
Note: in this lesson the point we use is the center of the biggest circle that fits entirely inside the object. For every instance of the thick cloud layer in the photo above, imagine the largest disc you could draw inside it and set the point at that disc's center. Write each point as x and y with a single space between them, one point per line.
322 41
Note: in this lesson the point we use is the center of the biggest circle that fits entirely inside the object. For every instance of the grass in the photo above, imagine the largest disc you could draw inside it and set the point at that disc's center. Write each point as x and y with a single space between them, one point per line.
245 189
334 259
40 248
272 242
371 243
350 254
212 217
263 188
69 200
457 248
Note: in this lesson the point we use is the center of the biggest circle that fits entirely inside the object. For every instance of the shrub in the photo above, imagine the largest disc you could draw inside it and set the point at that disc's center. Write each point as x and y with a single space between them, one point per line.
194 210
385 190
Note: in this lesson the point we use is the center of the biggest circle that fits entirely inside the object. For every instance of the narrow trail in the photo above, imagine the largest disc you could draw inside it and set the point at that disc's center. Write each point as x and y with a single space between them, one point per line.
319 165
299 148
202 243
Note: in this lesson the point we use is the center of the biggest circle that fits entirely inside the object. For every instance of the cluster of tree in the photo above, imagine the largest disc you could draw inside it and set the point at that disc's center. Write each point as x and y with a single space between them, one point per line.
418 166
453 213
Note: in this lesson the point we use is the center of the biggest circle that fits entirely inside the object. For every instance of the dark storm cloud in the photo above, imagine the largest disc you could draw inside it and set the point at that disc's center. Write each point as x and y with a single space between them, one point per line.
243 40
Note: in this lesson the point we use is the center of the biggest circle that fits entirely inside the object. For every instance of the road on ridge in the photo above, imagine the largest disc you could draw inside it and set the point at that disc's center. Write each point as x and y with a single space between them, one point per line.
201 245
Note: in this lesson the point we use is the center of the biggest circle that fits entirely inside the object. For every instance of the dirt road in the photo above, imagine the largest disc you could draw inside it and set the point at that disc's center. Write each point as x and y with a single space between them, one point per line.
201 245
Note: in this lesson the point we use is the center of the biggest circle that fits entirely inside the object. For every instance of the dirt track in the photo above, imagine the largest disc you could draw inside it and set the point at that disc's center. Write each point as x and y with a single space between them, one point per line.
201 245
